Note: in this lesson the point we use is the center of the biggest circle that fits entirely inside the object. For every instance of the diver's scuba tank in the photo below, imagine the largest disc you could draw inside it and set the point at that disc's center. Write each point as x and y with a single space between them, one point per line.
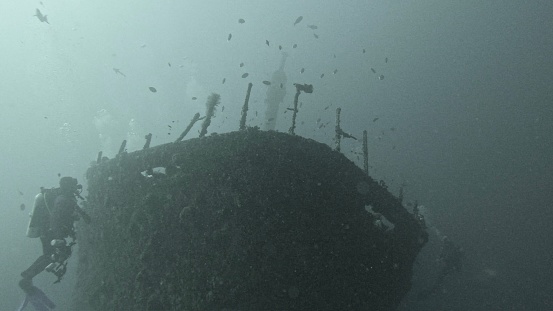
39 221
40 216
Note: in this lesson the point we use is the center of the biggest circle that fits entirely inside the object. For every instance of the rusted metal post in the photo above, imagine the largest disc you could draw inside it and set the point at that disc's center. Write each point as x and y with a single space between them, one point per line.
148 140
245 108
338 130
122 148
306 88
365 153
194 119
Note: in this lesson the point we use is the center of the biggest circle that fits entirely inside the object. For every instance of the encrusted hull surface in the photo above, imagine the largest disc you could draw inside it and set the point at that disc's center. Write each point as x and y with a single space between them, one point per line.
248 220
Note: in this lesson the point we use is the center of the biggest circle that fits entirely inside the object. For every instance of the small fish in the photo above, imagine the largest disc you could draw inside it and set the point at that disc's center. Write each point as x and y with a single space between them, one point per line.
334 55
364 51
295 46
386 60
392 129
381 77
280 47
267 42
270 119
117 71
267 82
374 120
241 65
312 27
298 20
194 98
281 85
169 64
41 18
335 71
241 21
374 71
245 75
143 45
316 36
224 80
169 126
322 75
222 108
229 37
22 207
327 107
20 193
318 120
302 70
152 89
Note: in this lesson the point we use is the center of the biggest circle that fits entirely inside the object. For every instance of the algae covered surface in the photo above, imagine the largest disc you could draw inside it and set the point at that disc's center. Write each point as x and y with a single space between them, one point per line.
247 220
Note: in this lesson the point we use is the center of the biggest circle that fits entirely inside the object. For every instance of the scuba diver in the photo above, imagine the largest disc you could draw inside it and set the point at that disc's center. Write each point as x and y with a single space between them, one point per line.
450 259
54 213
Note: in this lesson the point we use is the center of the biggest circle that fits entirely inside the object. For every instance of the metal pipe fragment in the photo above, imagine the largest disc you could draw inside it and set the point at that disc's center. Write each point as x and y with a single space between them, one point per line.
293 127
212 102
339 132
245 108
194 119
122 148
365 153
306 88
148 140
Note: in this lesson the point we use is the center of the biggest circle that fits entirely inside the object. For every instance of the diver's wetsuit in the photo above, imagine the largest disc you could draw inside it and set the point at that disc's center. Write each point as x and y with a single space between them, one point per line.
42 261
63 216
61 226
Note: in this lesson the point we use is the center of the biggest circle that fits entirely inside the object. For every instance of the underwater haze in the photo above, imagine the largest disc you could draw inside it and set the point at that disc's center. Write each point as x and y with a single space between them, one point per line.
456 96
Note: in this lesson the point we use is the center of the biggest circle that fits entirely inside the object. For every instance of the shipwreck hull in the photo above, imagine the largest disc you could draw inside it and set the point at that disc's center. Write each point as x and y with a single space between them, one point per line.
247 220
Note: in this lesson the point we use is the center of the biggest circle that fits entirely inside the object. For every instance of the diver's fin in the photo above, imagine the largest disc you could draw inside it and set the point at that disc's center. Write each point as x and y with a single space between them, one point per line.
23 304
39 306
39 300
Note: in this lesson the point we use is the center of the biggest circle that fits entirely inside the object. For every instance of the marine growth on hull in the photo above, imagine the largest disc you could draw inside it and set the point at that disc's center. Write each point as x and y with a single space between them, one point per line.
247 220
